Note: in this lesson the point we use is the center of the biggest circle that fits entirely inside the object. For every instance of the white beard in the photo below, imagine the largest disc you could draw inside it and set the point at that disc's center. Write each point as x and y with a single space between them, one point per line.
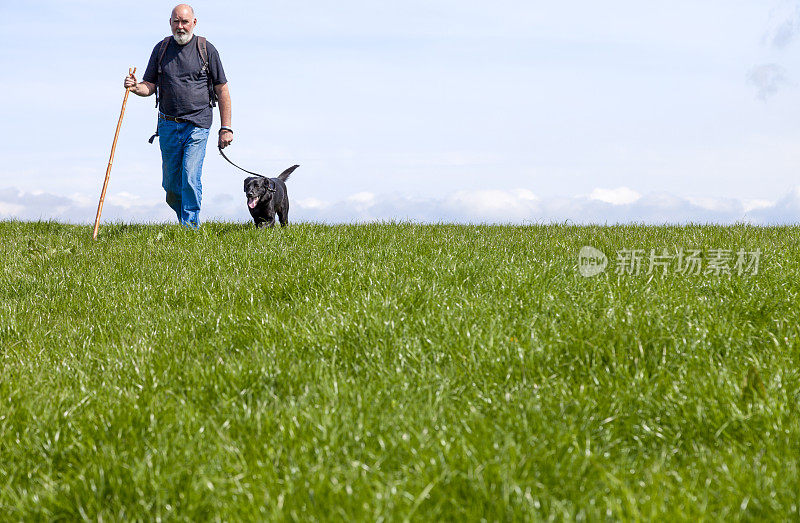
182 39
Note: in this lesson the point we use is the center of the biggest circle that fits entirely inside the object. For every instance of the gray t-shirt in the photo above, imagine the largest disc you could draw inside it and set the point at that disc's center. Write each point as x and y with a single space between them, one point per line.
183 90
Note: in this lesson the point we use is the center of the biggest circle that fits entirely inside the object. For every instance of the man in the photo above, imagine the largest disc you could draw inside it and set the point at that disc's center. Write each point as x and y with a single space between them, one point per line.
185 99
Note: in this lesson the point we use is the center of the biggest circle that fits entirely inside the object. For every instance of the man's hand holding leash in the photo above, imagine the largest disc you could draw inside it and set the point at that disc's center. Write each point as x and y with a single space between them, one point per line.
225 137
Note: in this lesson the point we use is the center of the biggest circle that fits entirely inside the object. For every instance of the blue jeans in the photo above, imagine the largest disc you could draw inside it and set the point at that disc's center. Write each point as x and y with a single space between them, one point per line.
183 148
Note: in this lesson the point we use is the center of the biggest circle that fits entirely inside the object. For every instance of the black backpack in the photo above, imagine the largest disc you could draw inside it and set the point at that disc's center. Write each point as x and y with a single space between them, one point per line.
201 48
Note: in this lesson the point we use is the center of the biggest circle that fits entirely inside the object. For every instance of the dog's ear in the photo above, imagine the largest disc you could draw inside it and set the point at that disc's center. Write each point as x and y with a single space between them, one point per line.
247 182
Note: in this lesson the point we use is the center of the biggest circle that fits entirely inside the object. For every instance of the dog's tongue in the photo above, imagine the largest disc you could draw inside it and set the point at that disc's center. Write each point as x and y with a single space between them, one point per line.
251 202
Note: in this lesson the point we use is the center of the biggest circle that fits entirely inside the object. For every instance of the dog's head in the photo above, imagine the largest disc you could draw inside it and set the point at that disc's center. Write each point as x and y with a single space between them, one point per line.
258 189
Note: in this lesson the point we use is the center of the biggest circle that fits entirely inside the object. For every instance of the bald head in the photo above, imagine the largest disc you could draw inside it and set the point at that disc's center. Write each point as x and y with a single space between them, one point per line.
182 22
182 10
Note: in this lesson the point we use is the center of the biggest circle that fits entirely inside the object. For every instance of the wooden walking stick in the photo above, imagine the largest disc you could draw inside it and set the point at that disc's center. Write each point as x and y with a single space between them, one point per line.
111 160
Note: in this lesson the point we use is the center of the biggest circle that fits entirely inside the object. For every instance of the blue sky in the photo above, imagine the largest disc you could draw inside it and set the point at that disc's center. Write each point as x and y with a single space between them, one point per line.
438 110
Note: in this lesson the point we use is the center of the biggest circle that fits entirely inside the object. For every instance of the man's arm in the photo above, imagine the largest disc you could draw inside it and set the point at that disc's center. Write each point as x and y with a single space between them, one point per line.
224 99
144 89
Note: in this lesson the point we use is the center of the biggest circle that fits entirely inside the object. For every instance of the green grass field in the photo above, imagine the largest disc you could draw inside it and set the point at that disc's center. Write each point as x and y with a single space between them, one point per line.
393 371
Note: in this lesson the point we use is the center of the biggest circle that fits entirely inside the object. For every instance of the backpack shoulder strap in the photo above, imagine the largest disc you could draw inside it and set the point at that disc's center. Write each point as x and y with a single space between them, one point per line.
201 47
203 50
161 51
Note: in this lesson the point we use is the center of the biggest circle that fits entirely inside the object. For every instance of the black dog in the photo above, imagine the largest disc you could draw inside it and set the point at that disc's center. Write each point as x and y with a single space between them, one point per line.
267 196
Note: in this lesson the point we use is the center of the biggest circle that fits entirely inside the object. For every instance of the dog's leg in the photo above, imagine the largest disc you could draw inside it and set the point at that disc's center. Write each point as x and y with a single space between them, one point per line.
283 212
270 219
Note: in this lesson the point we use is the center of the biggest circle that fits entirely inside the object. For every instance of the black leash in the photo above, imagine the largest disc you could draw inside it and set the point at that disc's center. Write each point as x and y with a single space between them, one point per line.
230 162
245 170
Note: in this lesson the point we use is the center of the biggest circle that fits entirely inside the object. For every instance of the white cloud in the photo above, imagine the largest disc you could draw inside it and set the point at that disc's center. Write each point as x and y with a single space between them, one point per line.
10 209
604 206
491 204
312 203
756 204
619 196
79 208
362 199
